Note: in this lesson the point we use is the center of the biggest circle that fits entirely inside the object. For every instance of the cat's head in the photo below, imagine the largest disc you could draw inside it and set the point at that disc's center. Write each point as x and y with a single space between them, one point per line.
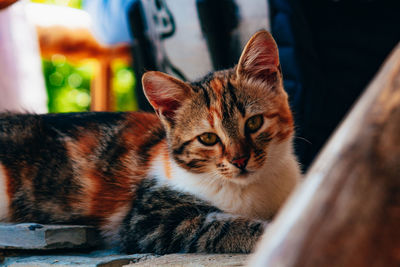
227 123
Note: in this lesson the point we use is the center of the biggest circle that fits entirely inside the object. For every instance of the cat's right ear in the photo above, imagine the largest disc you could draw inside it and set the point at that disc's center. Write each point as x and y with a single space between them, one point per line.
260 58
165 93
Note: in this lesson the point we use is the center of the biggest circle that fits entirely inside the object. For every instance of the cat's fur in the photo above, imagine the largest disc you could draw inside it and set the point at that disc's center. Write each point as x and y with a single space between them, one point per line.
150 183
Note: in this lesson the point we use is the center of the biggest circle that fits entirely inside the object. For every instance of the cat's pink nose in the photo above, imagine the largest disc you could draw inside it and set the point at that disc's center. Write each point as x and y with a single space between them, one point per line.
240 162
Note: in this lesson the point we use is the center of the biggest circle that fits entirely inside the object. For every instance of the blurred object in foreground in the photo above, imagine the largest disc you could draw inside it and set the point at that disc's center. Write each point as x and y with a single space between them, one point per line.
22 87
74 61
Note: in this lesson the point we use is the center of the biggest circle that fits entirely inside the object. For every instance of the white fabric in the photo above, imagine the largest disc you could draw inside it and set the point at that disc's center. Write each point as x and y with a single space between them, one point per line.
22 86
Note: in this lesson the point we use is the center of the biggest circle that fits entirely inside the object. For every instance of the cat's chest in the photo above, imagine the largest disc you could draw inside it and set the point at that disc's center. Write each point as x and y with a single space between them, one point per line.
251 200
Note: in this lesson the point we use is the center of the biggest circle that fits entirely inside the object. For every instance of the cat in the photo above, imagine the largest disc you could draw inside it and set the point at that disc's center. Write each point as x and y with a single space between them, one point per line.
206 173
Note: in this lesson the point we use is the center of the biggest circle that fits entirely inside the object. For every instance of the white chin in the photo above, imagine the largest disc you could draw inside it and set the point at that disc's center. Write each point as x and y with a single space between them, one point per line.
242 178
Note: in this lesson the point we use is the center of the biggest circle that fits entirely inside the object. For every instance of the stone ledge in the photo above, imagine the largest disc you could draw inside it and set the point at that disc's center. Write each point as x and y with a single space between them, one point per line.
195 260
94 259
36 245
110 259
44 237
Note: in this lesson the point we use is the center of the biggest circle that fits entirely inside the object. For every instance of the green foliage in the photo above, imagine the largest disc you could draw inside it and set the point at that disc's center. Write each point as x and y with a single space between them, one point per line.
68 86
69 3
123 85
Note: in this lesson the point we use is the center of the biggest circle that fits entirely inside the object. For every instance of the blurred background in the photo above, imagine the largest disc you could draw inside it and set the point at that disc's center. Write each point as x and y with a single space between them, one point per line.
70 74
82 55
88 65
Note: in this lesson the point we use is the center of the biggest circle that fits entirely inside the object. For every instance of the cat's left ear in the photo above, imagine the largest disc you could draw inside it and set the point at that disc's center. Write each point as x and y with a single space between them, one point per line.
260 58
165 93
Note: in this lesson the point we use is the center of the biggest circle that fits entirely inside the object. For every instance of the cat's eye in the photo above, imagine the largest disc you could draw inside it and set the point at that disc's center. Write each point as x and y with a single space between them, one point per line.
208 139
254 123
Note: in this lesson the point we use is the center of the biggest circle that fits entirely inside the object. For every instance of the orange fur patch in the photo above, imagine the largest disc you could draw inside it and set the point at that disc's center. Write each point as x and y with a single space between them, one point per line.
281 123
117 190
87 143
272 115
210 119
137 126
215 111
110 193
83 146
283 135
5 197
10 184
79 151
217 86
166 162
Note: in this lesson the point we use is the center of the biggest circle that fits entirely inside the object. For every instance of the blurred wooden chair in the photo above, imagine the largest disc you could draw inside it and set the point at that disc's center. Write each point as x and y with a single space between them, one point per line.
66 31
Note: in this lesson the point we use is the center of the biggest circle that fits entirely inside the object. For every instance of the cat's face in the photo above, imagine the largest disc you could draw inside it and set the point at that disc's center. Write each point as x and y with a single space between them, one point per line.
225 124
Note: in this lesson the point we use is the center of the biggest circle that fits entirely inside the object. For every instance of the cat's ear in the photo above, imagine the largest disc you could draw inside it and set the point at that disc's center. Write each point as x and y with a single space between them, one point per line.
165 93
260 58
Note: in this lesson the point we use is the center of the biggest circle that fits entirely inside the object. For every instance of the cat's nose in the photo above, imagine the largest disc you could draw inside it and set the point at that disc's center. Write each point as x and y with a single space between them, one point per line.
240 162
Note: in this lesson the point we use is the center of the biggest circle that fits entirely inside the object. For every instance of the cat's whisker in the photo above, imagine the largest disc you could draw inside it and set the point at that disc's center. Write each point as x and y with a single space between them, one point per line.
304 139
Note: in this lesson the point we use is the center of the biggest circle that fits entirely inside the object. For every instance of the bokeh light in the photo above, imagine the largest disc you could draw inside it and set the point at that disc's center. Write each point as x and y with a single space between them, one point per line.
68 86
123 85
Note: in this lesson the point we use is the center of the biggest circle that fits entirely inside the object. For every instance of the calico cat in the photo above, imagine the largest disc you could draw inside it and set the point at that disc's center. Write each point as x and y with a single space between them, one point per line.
206 173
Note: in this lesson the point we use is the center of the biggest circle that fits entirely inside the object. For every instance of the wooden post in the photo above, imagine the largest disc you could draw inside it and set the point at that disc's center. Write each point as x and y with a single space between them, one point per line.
101 86
347 211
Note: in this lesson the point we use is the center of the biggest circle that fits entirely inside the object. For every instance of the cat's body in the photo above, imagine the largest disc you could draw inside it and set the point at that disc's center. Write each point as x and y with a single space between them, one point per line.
203 176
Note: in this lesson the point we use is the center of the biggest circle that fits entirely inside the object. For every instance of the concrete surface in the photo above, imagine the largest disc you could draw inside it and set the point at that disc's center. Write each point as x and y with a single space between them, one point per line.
38 236
195 260
94 259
